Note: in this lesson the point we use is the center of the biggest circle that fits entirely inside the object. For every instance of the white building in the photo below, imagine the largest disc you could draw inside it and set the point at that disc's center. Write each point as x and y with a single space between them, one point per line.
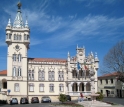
110 86
43 76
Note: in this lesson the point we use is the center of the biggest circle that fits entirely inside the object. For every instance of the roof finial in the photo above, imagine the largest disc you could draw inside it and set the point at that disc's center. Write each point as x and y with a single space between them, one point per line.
19 5
77 46
9 22
26 23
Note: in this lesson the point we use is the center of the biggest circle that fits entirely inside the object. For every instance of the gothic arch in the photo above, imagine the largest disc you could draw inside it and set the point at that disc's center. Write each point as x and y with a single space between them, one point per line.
88 86
81 86
75 87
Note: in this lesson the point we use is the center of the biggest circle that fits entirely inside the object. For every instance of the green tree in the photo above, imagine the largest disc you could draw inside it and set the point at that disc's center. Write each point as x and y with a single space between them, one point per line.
100 97
62 97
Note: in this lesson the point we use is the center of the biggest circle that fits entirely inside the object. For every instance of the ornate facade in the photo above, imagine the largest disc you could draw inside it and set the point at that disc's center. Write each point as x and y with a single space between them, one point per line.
44 76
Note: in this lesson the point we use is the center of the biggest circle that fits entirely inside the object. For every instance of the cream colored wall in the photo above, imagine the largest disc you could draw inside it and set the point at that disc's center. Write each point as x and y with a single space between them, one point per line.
101 86
22 85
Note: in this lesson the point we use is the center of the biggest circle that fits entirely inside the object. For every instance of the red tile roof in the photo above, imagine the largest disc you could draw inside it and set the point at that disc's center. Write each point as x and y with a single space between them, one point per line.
3 72
47 60
109 75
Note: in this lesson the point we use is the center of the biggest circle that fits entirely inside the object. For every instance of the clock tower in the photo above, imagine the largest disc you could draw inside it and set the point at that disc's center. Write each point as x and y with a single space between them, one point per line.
18 40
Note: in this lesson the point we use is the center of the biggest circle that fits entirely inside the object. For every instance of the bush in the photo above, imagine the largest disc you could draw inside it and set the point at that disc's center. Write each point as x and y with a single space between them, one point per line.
100 97
62 97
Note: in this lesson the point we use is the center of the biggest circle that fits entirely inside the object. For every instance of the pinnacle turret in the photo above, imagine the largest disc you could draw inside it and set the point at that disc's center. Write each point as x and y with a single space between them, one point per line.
9 23
26 24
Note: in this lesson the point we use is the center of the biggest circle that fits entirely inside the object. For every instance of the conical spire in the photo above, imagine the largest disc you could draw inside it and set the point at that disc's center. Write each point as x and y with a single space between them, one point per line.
9 23
18 23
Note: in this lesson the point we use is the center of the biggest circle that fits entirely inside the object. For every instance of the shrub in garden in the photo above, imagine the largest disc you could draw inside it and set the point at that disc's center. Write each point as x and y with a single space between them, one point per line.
100 97
62 97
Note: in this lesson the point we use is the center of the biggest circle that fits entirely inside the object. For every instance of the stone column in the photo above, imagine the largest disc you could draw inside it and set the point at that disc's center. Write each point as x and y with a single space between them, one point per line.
85 87
78 84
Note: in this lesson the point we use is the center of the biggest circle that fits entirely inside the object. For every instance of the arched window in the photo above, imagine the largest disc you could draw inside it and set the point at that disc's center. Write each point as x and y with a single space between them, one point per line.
14 71
19 71
59 76
39 75
62 76
41 87
53 75
31 87
16 87
19 57
29 75
42 75
61 87
14 57
50 76
32 75
51 87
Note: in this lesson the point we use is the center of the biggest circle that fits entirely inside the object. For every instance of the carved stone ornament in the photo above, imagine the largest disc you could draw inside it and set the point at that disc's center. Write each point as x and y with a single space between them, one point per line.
92 72
17 47
92 78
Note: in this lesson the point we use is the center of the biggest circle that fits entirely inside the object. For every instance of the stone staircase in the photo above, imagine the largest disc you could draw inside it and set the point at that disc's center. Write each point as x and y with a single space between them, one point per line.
94 104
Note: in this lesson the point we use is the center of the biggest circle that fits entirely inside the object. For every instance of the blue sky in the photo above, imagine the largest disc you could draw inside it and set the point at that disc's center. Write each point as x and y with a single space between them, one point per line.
57 26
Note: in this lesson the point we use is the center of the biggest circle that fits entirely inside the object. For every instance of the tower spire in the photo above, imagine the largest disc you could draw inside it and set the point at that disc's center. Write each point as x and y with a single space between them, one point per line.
18 22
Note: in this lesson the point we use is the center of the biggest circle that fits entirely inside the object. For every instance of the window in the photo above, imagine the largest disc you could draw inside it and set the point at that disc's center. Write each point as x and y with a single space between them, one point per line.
16 87
25 37
101 81
41 75
41 87
52 75
14 36
102 91
112 92
61 87
51 86
19 57
31 87
106 81
4 85
14 71
49 75
19 71
111 81
9 36
19 37
14 57
31 75
60 75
